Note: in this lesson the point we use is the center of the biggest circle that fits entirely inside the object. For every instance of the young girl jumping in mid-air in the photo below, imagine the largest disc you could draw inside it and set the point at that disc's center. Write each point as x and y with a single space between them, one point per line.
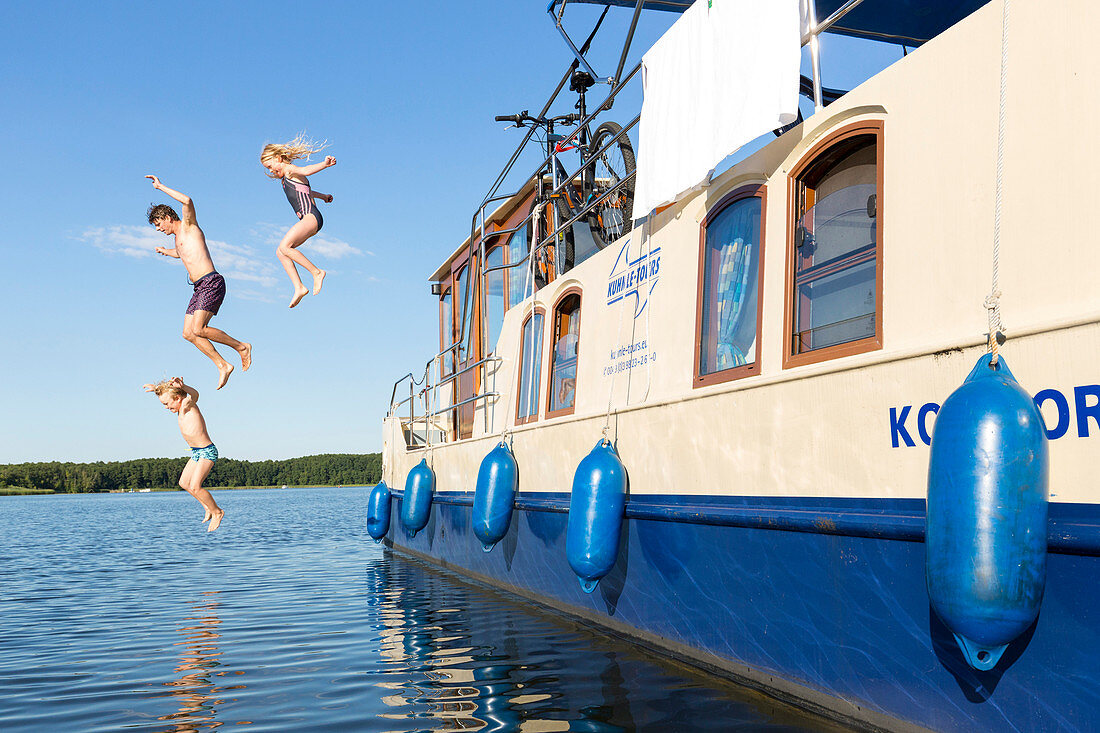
278 159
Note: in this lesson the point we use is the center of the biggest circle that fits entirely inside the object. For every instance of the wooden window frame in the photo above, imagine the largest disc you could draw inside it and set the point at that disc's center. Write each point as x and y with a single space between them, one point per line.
458 266
512 221
570 291
755 190
850 348
492 243
447 365
537 310
445 291
468 261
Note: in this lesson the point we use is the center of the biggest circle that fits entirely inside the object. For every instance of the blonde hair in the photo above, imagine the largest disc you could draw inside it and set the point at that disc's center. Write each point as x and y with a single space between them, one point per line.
300 147
166 386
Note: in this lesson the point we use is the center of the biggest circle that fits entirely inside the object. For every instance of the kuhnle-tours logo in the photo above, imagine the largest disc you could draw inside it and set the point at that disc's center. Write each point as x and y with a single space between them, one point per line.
637 276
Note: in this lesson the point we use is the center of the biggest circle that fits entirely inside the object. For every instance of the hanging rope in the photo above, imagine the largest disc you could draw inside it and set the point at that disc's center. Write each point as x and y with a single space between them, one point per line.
993 300
614 371
426 394
649 309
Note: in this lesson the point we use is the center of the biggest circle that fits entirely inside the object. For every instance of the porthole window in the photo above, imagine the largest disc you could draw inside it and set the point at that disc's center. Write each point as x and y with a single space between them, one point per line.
730 281
834 306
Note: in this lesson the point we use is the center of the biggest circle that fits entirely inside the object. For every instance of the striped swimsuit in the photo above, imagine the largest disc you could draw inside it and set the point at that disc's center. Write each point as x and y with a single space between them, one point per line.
301 200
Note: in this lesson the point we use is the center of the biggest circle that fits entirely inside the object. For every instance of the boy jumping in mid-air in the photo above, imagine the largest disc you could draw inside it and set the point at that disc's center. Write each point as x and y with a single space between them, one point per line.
190 248
180 399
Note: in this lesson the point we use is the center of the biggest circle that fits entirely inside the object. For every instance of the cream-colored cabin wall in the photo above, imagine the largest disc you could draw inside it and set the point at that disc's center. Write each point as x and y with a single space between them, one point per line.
824 429
826 436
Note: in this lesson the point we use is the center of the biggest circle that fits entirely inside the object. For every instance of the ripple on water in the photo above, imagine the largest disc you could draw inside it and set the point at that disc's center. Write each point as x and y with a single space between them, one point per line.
121 612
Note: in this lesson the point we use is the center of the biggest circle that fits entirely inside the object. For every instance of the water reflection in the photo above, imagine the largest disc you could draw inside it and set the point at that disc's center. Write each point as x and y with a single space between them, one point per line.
490 668
454 656
196 691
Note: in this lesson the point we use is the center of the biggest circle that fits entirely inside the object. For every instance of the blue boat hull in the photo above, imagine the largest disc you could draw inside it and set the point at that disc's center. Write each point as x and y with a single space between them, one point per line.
818 600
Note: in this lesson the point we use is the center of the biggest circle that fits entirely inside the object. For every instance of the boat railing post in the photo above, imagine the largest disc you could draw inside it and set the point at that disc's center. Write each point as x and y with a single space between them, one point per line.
412 412
484 340
628 42
815 51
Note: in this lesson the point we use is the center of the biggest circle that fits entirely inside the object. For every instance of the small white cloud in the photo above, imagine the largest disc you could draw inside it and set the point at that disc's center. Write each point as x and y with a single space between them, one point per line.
127 240
268 233
243 262
235 262
322 244
333 247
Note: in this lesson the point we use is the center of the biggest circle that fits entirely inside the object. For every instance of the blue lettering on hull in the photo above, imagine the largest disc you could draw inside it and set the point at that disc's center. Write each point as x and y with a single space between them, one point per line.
1086 405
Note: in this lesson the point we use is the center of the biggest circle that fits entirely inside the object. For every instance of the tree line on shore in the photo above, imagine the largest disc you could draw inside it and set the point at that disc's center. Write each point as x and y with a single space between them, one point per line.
163 473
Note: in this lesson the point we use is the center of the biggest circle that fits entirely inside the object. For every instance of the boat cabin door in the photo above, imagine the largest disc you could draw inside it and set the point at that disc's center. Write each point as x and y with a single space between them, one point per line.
468 352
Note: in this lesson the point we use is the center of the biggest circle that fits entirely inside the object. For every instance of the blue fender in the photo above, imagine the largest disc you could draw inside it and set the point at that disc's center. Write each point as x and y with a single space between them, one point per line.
596 509
986 531
494 495
416 505
378 511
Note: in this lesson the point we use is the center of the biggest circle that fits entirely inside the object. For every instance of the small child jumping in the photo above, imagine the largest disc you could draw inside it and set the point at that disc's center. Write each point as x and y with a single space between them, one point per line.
180 399
278 159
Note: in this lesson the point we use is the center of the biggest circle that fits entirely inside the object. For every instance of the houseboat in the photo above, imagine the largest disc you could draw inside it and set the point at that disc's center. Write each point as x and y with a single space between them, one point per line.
725 430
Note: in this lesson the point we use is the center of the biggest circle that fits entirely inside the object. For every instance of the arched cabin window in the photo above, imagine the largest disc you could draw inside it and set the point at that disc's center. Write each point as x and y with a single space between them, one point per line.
530 372
730 282
834 304
565 340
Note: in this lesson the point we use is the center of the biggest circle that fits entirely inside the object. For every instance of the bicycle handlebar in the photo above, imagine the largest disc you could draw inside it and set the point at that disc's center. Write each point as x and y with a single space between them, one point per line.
524 116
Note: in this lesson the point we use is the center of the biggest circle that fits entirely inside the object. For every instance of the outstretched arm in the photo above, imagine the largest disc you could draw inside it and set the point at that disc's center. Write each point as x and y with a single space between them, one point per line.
191 391
167 252
326 197
309 170
185 200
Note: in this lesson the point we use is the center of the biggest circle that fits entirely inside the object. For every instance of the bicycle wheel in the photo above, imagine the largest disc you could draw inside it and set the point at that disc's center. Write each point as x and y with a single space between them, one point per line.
611 219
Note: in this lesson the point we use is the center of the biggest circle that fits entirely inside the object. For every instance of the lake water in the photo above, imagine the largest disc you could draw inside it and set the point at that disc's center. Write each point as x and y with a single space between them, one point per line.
120 612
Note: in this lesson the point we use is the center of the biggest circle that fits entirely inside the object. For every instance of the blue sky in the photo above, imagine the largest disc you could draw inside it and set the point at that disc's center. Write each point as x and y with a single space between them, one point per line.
97 95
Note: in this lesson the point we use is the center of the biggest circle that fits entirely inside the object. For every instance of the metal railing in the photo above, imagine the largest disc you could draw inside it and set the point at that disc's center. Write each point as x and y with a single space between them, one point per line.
430 397
475 288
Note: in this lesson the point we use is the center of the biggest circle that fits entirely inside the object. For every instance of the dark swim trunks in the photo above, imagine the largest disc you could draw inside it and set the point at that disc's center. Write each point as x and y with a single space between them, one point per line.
300 196
209 294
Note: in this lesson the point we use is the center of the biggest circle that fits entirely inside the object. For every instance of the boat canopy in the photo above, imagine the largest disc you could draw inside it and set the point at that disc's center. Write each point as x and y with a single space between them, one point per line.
909 22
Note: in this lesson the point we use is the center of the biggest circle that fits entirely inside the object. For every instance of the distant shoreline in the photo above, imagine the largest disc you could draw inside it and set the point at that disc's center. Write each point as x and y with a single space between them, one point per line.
18 491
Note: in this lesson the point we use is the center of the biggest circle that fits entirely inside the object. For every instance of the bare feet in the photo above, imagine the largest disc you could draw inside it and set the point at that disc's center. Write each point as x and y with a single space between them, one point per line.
318 280
246 355
216 520
223 374
298 295
207 517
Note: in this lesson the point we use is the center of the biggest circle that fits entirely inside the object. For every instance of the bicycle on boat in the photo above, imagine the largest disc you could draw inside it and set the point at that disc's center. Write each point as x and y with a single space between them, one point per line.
607 164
